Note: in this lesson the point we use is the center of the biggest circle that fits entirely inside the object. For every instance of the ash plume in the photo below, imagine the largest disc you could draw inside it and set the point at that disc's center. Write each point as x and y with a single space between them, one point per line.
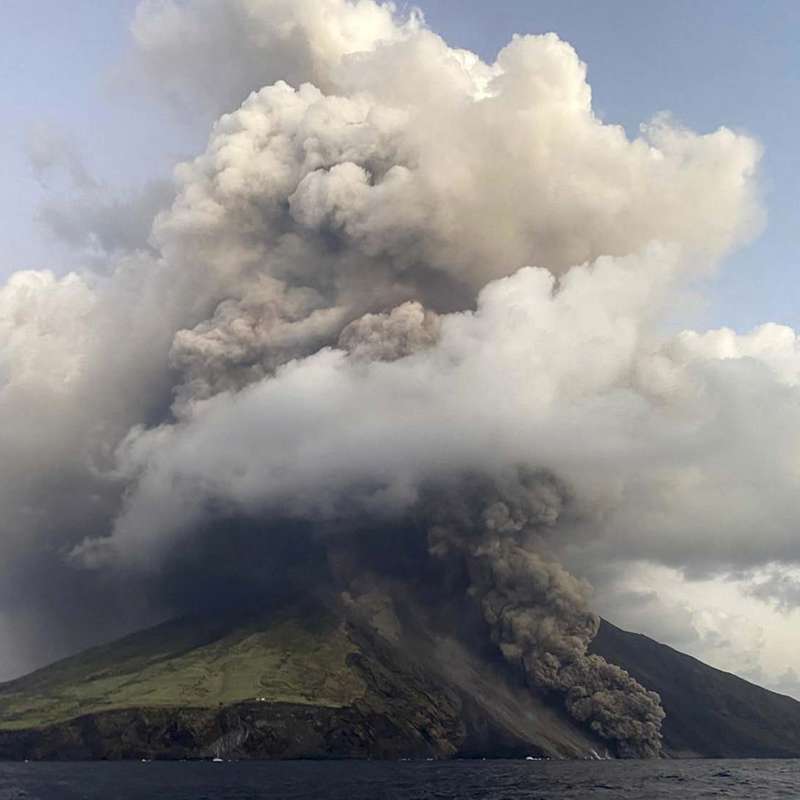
394 264
538 613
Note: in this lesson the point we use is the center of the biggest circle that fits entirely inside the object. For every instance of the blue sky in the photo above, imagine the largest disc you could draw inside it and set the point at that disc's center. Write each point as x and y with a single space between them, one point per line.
734 62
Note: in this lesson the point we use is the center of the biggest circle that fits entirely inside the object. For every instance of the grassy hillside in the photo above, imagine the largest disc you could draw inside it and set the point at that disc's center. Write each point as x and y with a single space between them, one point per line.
206 663
309 683
314 683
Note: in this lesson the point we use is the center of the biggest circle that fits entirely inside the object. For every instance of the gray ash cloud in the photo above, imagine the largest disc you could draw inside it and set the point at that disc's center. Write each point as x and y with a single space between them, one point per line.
538 614
394 265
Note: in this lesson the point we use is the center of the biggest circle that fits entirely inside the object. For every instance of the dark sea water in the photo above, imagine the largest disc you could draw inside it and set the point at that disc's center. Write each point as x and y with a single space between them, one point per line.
492 780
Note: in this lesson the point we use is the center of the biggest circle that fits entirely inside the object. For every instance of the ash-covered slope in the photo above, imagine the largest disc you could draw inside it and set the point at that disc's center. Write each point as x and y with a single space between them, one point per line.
311 684
708 712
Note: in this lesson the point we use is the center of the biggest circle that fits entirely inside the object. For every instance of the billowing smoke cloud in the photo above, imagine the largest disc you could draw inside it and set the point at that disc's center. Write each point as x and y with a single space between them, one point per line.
395 265
537 612
206 57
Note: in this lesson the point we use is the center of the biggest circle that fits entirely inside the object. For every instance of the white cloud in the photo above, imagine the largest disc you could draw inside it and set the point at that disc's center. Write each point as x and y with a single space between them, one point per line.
395 179
714 619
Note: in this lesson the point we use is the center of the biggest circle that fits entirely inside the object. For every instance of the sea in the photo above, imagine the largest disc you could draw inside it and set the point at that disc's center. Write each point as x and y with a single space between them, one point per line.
451 780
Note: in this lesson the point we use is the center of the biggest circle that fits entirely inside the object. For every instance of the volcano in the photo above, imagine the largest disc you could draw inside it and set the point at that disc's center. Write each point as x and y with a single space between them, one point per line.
322 682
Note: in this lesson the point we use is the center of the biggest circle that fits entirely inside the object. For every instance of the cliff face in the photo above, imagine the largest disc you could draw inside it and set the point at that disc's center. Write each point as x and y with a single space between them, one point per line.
288 687
710 713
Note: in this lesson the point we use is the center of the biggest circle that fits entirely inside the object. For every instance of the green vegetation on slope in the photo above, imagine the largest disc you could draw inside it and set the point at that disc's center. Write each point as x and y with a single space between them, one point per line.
315 683
309 682
205 664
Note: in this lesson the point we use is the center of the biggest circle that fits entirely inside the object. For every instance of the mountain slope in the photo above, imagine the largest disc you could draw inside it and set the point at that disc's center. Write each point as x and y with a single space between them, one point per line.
308 684
197 663
709 712
321 683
